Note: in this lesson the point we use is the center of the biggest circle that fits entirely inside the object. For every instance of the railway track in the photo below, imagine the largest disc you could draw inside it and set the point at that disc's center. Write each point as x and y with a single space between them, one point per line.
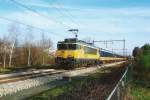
8 78
15 82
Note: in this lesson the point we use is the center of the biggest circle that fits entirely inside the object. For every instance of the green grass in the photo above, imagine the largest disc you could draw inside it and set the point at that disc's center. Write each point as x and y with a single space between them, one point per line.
139 92
140 86
53 93
3 71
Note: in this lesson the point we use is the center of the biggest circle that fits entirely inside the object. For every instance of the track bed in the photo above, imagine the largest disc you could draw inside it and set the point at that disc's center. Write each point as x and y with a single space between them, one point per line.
92 87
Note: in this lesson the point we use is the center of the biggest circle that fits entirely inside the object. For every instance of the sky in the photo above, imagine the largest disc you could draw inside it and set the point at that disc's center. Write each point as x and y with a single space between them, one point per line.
95 19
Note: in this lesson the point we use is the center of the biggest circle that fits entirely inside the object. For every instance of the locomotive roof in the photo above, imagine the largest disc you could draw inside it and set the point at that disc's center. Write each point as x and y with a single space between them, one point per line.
75 40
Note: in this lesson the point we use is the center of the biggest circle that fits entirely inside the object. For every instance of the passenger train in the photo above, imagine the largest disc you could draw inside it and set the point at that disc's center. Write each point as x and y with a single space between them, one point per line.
73 53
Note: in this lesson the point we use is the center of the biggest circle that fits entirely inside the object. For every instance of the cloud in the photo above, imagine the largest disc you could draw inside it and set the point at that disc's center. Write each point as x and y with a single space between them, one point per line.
34 19
48 4
102 20
99 23
115 20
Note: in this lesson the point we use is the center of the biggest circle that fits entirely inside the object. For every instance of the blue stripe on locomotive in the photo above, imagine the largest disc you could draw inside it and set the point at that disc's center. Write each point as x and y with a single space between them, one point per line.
104 53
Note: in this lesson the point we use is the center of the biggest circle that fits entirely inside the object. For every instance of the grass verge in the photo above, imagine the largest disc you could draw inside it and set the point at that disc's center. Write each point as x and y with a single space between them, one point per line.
139 89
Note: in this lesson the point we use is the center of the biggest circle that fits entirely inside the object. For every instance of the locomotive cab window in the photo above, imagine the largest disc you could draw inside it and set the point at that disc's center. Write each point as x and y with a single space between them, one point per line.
68 46
62 47
89 50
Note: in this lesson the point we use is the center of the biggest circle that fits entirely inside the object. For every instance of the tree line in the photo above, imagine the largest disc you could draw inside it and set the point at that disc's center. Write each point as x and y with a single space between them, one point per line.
24 53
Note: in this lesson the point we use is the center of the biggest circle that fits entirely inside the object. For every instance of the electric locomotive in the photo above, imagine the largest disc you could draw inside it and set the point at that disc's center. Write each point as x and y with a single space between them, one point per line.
73 53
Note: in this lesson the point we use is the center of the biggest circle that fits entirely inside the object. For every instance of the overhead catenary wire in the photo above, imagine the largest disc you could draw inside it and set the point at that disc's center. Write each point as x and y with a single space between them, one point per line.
67 14
39 14
40 29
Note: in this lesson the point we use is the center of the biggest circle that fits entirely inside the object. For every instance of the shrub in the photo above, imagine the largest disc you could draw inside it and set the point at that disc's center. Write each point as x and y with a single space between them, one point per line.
142 57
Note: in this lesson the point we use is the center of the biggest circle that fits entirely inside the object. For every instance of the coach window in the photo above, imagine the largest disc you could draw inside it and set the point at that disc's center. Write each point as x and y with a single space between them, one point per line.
89 50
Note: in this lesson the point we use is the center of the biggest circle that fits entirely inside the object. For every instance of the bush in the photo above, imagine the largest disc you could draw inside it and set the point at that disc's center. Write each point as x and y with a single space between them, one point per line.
144 61
142 57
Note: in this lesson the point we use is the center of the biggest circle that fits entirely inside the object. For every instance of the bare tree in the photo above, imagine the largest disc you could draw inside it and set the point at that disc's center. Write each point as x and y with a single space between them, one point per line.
29 43
13 34
43 47
4 57
4 50
48 45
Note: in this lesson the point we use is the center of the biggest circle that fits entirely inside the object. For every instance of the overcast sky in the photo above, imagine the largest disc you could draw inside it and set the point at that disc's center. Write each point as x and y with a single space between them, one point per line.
95 19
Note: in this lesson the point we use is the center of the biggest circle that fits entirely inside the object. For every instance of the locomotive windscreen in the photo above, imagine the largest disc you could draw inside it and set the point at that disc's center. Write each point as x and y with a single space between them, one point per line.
68 46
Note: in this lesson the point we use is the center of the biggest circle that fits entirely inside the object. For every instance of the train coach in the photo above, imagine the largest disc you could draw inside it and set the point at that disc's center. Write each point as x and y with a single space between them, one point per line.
108 57
73 53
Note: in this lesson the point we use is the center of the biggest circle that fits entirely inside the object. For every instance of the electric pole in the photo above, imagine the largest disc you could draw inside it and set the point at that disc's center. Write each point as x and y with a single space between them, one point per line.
111 41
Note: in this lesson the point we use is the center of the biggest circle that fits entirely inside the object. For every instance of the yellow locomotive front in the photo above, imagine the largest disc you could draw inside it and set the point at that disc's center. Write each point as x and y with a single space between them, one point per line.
74 53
